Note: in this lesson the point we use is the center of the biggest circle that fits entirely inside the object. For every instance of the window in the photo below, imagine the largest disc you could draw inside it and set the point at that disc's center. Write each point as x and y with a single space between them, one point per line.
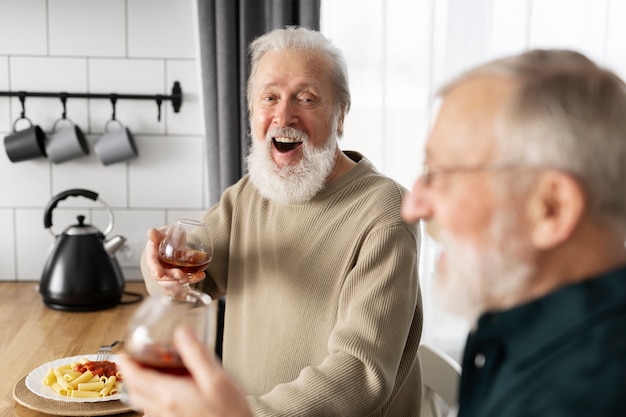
400 51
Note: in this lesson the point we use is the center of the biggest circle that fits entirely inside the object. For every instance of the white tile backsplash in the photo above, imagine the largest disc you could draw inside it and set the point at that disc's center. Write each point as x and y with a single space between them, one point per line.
5 112
24 184
177 182
48 74
95 46
23 27
133 226
87 27
33 244
7 245
161 27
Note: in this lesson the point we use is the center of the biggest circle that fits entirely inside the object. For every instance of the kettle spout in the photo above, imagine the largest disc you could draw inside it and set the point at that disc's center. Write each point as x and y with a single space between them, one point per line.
112 245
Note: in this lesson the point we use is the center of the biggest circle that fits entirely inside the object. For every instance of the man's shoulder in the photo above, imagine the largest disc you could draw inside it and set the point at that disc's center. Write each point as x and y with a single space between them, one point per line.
377 184
243 185
581 375
366 171
234 194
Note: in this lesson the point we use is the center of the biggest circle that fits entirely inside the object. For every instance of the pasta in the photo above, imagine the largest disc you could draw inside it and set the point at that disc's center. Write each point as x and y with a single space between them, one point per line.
84 379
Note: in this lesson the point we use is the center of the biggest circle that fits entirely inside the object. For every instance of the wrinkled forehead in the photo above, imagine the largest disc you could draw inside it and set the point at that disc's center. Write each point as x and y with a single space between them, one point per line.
464 131
308 65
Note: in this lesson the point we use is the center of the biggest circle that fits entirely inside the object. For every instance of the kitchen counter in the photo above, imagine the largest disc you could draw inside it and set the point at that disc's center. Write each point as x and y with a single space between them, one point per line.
32 334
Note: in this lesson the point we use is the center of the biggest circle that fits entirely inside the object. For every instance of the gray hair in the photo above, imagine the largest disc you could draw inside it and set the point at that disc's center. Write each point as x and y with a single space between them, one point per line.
292 37
567 114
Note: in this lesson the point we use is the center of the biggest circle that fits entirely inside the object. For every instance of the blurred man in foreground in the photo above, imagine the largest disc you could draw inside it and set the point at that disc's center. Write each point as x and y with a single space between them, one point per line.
524 187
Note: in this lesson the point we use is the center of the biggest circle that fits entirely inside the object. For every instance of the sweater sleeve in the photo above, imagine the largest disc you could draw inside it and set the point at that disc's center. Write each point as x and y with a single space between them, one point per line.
374 341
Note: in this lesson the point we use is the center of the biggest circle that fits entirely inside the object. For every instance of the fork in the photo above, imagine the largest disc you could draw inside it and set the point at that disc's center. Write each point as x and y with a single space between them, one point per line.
105 351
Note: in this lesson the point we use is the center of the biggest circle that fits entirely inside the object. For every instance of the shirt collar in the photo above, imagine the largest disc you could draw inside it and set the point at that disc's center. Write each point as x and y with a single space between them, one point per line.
532 328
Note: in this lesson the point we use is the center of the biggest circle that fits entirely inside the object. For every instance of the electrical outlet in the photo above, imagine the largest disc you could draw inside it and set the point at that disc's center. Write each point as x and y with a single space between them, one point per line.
129 254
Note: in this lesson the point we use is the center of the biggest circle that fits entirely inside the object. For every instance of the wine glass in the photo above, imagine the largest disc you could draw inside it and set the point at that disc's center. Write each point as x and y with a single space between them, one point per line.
187 245
150 334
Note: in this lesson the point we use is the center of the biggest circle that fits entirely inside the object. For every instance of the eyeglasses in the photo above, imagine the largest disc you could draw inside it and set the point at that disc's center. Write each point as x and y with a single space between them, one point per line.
429 174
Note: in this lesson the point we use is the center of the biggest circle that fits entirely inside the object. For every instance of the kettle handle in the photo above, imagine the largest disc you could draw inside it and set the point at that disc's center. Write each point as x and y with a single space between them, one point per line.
75 192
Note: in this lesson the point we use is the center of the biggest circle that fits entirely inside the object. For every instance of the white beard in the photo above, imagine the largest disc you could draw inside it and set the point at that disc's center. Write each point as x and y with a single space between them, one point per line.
476 279
291 184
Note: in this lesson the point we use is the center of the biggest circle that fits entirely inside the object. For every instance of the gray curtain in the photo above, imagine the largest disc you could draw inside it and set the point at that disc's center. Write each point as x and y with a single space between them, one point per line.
226 28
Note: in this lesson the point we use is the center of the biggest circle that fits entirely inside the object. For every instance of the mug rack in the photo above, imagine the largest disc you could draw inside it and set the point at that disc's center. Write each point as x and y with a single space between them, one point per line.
176 97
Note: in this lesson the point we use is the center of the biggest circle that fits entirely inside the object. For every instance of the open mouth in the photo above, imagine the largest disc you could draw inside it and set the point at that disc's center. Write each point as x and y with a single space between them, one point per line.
284 144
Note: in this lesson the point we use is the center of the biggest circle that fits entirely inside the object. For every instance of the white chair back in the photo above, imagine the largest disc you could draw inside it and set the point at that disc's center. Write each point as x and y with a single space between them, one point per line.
440 378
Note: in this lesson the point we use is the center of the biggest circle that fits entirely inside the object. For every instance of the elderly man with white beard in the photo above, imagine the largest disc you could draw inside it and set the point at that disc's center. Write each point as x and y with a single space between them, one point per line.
524 188
323 314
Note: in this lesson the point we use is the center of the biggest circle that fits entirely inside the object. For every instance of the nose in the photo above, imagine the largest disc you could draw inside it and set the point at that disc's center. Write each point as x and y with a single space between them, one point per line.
285 113
416 204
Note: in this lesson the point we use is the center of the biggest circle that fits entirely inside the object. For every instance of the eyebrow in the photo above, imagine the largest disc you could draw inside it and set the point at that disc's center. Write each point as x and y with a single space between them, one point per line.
300 86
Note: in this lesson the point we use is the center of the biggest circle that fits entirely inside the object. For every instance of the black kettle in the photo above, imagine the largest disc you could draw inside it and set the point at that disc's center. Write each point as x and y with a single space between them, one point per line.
81 273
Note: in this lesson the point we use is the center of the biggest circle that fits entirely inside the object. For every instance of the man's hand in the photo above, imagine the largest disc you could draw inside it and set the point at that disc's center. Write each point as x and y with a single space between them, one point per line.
165 277
208 392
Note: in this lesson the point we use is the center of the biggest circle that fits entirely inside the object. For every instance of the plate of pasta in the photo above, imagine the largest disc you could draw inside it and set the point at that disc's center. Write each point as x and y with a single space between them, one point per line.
71 379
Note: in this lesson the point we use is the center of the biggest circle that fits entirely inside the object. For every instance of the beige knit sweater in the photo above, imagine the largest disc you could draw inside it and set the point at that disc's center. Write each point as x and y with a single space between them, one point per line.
323 313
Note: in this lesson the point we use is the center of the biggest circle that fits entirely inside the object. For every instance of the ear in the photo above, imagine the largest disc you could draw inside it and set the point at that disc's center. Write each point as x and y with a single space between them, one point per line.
555 208
340 119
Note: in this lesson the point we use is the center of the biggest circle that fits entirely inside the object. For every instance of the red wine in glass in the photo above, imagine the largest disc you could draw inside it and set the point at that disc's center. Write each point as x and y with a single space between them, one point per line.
150 338
187 245
161 358
190 261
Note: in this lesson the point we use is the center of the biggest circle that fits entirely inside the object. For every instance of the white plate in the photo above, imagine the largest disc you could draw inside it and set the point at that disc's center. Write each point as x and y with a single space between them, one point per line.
34 381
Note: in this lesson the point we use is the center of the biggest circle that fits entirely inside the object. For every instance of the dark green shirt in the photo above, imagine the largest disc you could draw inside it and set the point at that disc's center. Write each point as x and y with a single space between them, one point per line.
561 355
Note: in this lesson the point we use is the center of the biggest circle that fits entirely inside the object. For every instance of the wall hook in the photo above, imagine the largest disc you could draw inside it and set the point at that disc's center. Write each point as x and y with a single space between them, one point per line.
159 102
113 104
63 97
177 96
22 95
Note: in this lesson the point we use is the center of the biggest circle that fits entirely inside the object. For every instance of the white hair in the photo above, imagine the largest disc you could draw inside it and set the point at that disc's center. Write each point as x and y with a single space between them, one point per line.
567 114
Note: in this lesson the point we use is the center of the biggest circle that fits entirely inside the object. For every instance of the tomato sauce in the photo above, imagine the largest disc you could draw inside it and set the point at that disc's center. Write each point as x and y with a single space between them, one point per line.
100 368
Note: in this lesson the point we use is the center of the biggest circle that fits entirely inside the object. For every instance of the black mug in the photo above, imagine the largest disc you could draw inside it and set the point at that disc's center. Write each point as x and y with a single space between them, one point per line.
25 144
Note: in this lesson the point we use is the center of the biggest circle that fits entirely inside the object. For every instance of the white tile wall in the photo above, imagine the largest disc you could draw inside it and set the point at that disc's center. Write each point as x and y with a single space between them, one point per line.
133 226
23 27
5 122
121 46
158 27
32 243
7 245
87 27
169 174
24 184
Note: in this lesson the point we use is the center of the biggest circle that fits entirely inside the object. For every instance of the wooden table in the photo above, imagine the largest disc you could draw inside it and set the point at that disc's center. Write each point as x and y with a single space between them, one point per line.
32 334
